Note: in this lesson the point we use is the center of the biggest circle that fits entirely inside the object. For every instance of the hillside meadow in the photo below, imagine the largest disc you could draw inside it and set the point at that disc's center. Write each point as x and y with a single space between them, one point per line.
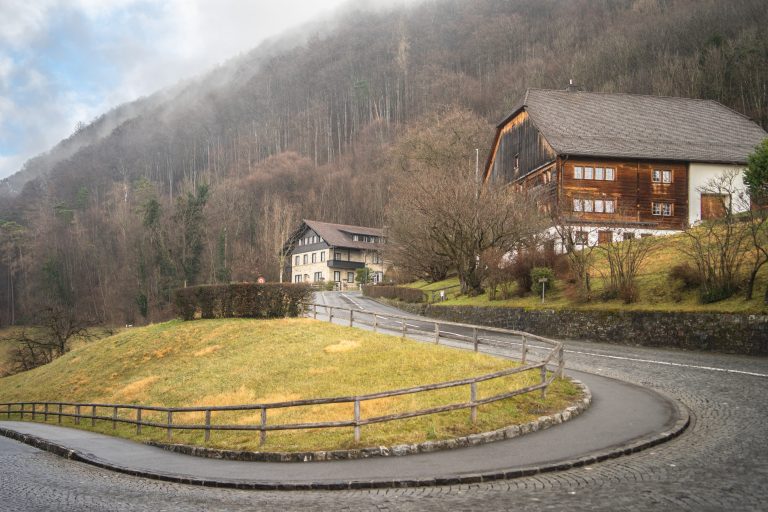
242 361
657 290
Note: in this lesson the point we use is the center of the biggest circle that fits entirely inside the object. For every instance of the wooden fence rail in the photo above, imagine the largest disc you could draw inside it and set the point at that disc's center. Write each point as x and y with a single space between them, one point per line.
136 415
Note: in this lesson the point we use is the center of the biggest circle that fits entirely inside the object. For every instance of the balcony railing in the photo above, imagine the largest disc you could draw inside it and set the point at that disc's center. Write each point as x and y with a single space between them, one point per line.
351 265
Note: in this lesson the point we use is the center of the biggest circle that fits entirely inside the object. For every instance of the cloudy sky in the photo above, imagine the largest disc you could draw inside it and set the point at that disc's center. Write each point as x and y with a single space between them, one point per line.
67 61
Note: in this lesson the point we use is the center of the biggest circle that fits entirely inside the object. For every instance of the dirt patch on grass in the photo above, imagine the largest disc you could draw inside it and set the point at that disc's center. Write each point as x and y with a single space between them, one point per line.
207 350
342 346
137 389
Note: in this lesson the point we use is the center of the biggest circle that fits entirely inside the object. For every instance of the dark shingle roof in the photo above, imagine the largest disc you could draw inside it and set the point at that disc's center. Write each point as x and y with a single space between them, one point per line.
634 126
340 235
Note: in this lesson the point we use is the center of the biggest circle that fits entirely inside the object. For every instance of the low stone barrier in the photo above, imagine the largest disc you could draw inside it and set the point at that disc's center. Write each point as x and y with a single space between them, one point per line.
729 333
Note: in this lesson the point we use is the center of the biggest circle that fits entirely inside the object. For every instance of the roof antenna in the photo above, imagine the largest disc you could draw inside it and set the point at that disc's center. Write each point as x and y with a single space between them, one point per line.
571 86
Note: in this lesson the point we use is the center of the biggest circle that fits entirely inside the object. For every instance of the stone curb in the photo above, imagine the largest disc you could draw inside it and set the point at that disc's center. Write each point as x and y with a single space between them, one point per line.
541 423
681 423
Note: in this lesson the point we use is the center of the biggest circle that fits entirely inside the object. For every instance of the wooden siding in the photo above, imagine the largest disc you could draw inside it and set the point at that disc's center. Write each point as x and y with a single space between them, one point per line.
632 190
518 137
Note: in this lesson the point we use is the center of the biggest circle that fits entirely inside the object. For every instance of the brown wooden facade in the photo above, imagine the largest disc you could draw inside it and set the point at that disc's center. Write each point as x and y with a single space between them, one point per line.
632 198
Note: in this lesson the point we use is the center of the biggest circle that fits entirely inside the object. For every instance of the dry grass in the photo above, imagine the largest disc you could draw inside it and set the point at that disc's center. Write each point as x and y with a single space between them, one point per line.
234 362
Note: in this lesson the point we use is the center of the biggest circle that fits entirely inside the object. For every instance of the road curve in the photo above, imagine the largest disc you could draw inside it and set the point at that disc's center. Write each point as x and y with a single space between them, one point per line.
720 462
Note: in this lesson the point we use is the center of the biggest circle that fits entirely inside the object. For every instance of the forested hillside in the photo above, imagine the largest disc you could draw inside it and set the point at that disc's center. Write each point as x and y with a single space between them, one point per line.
201 182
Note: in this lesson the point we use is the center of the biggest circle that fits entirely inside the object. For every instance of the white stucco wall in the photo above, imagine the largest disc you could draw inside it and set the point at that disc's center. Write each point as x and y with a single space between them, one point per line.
699 176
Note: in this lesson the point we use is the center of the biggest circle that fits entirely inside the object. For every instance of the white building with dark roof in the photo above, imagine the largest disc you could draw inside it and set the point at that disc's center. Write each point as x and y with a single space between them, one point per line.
321 251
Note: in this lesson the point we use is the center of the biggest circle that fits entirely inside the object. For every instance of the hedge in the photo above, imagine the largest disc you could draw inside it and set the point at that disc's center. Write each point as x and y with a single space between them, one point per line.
393 292
243 300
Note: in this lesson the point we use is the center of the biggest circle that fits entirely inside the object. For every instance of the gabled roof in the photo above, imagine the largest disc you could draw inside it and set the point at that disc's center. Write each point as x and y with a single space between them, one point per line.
643 127
336 235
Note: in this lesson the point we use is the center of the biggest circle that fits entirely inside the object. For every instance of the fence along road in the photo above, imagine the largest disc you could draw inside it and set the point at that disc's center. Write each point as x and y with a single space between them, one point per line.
531 357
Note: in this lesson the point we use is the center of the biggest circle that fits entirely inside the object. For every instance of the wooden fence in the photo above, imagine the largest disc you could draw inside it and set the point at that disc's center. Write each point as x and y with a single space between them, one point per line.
137 414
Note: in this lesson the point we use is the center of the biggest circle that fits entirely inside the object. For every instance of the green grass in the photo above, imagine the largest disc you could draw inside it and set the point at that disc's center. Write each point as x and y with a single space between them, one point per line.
656 291
231 362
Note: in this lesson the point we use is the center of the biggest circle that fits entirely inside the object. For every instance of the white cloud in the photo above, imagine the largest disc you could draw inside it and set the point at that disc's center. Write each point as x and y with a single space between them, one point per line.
140 46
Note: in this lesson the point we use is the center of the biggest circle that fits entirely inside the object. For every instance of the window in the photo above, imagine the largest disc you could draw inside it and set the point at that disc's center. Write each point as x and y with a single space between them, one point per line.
355 238
578 173
337 276
581 238
588 173
517 163
629 236
599 173
577 205
604 237
661 176
318 276
663 209
599 206
305 259
588 205
609 174
350 277
375 257
337 255
297 278
322 256
297 260
314 257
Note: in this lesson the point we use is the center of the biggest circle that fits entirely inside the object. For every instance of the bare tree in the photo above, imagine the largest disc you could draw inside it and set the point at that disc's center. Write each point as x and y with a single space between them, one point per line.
578 245
437 195
625 260
279 219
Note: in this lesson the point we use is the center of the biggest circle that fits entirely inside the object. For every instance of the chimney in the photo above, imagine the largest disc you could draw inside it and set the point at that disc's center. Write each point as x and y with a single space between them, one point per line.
571 86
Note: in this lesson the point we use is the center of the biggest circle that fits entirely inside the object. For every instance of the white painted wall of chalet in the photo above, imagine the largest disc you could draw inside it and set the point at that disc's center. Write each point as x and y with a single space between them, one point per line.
699 176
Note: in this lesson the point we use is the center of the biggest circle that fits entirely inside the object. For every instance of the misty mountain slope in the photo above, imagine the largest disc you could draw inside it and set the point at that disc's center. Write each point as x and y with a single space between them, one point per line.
303 126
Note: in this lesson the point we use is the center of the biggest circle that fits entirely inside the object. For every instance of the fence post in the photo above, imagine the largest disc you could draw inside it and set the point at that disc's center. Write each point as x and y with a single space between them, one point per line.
351 317
404 327
263 433
33 412
138 421
77 415
474 337
60 410
207 425
330 314
357 420
525 348
472 399
543 381
9 411
560 362
45 412
93 415
437 333
114 418
375 322
170 423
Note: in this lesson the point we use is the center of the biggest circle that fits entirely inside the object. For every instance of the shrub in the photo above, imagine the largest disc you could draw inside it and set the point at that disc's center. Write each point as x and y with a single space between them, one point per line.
521 272
686 274
542 273
393 292
246 300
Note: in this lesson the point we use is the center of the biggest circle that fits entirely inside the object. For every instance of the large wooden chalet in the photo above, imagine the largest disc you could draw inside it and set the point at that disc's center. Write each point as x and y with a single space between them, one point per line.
630 161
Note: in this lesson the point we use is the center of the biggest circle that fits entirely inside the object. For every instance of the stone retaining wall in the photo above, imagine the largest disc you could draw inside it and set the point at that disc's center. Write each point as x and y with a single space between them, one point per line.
730 333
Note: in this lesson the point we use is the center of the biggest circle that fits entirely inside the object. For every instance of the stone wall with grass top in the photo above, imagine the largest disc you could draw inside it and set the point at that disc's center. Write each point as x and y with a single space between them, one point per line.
730 333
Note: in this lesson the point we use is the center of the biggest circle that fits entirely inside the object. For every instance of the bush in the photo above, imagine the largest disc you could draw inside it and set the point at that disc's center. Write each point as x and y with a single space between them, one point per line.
241 300
542 273
393 292
686 274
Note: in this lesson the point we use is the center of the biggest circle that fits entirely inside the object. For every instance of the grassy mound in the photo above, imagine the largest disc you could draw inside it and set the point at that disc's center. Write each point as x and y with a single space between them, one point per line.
239 361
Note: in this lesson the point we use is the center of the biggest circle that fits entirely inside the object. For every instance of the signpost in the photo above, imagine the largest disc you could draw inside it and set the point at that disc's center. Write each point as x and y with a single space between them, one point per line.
543 281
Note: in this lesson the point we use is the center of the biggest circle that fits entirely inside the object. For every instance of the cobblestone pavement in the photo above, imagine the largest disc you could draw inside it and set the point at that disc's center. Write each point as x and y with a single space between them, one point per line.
721 462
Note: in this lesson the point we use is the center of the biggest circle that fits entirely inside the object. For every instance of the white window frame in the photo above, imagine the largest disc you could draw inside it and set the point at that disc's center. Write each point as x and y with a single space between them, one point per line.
314 257
337 276
304 259
589 173
656 209
610 174
578 173
578 205
297 260
599 206
589 206
666 209
610 206
599 173
322 256
350 277
666 176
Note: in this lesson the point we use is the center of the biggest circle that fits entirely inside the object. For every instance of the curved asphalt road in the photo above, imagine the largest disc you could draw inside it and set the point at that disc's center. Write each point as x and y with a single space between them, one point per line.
721 462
